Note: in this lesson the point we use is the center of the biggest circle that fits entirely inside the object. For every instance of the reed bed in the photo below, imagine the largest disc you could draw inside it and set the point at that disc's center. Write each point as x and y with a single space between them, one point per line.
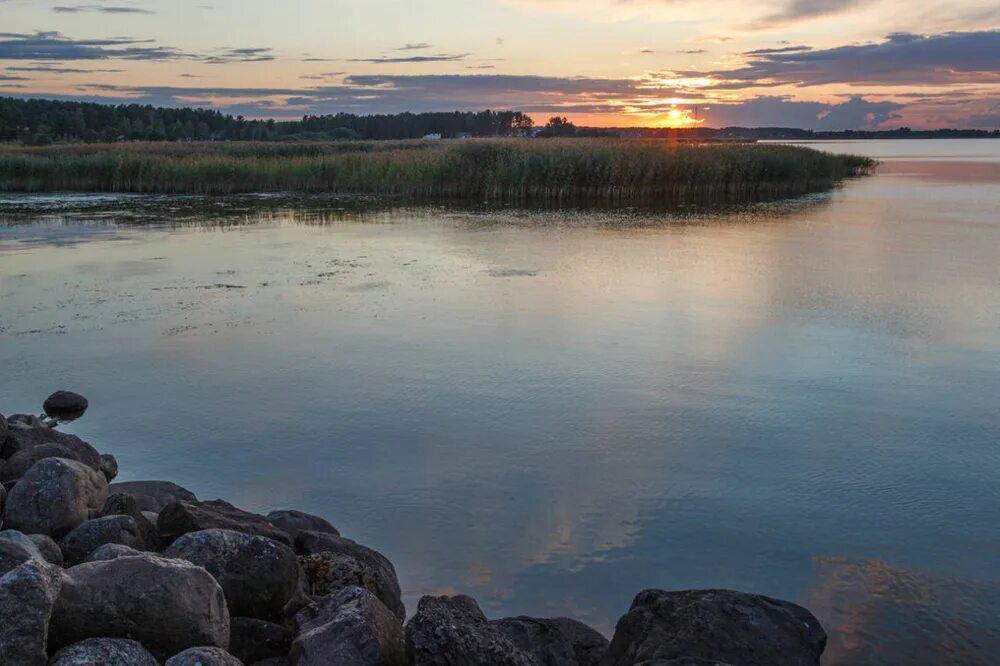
613 171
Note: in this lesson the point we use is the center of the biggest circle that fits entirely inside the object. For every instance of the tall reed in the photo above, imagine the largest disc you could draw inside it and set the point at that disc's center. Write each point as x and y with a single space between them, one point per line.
515 170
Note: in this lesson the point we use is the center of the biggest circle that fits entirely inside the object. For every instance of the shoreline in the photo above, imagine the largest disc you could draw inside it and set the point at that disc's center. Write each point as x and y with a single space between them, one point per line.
145 572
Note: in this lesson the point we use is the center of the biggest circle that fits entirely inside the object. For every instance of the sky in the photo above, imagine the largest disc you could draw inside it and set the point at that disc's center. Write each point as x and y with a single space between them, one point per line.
816 64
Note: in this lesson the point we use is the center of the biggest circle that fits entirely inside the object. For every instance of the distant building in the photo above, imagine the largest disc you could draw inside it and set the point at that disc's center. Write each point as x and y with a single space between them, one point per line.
432 137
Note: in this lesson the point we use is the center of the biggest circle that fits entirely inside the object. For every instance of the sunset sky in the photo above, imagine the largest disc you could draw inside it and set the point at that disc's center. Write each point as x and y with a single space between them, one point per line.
820 64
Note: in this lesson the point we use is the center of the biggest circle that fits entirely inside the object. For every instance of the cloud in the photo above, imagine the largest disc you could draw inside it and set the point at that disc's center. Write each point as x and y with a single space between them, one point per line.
900 59
414 47
855 113
226 56
441 57
801 10
62 70
54 46
103 9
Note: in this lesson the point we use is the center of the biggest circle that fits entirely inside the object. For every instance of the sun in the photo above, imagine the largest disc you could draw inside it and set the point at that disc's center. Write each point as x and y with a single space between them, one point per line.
676 117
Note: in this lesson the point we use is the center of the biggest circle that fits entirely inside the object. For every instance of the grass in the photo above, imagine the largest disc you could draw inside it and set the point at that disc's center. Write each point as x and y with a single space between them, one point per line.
613 171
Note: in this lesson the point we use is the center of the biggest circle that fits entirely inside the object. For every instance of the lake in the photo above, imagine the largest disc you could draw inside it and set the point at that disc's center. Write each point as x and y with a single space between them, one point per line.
553 410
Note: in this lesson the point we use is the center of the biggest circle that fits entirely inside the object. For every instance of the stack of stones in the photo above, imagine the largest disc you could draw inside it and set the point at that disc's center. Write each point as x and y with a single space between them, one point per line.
144 573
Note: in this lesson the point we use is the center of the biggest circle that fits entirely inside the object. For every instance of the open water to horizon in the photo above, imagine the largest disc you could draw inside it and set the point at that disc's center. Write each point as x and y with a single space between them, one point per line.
553 410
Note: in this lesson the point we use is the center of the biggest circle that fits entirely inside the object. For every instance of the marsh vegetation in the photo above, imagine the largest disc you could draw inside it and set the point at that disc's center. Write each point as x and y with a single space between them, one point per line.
612 171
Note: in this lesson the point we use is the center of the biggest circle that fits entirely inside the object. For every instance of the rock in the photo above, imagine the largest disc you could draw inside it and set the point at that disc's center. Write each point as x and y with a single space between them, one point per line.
27 595
167 605
683 661
179 518
54 496
104 652
123 504
204 656
252 640
3 492
35 444
293 522
109 466
273 661
16 549
452 631
65 405
111 551
731 627
349 627
91 534
258 575
555 642
153 495
342 562
48 548
3 428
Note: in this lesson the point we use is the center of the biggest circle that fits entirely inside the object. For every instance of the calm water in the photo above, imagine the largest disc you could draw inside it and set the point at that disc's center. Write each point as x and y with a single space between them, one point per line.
552 411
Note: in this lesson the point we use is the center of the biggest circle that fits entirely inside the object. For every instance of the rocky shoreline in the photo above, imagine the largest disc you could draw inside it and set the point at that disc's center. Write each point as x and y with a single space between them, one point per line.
94 572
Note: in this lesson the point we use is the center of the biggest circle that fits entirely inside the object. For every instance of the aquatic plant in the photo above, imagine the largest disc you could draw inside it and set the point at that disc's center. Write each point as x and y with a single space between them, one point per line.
613 171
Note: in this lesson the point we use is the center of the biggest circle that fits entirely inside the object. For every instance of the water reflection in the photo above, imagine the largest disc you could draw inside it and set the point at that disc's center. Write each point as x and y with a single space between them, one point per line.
554 410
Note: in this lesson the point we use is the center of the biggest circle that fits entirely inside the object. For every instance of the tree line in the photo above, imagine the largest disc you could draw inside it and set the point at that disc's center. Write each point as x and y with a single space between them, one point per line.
41 121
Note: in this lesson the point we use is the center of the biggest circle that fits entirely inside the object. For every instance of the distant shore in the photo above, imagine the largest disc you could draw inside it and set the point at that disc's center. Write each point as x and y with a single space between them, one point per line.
615 171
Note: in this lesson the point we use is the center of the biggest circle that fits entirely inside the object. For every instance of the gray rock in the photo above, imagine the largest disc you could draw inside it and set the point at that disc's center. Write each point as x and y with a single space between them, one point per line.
203 656
16 549
123 504
557 641
338 562
91 534
293 522
153 495
167 605
252 640
111 551
104 652
48 548
349 627
452 631
3 428
27 595
65 405
682 661
109 466
722 625
54 496
3 492
259 575
179 518
273 661
39 443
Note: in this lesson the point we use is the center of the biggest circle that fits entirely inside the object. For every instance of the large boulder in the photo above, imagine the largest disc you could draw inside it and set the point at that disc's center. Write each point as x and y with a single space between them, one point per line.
91 534
252 640
179 518
3 492
258 575
27 595
48 547
557 641
167 605
3 429
109 466
15 549
349 627
332 562
26 432
39 443
293 522
727 626
123 504
65 405
153 495
104 652
111 551
452 631
54 496
203 656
